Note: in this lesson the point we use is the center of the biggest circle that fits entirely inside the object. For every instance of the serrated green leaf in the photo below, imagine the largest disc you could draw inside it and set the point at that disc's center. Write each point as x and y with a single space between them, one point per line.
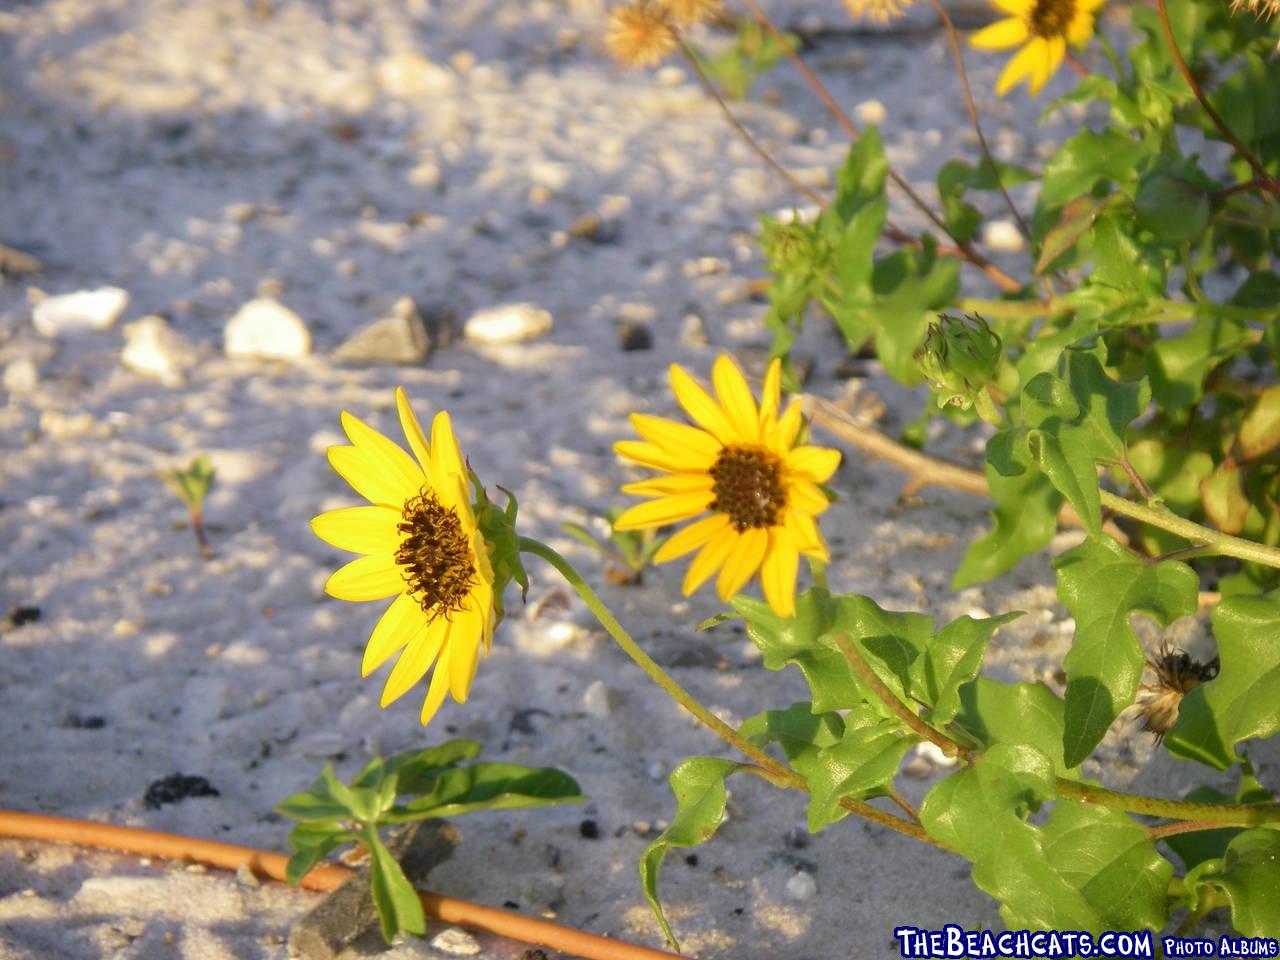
1089 868
399 909
1121 260
798 730
1103 586
490 786
860 766
698 784
1171 207
951 659
1072 469
1178 366
913 285
1249 875
1087 157
1243 701
1015 713
1025 514
861 178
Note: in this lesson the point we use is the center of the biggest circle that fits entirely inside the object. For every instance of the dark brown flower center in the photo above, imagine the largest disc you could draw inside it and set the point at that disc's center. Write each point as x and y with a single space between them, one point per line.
749 487
1176 676
1050 18
435 555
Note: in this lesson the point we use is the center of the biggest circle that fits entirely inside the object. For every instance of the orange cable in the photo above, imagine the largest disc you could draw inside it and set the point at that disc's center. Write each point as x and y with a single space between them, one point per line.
327 877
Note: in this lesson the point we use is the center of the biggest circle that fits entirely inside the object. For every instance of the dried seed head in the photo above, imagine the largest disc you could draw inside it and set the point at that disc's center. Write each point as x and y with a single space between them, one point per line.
1176 675
434 555
1262 9
641 34
685 13
880 11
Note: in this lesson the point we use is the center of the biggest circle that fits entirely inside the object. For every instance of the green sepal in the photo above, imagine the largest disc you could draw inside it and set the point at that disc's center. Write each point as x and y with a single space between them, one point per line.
498 527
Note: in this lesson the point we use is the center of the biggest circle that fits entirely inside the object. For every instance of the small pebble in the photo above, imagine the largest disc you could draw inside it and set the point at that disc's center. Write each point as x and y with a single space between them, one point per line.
510 323
1002 236
266 328
21 615
599 700
152 348
21 375
401 337
934 755
589 829
457 942
635 336
802 886
870 112
79 311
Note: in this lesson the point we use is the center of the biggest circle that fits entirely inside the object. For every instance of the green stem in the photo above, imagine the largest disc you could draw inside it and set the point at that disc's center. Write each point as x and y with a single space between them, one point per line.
1219 814
769 768
1221 543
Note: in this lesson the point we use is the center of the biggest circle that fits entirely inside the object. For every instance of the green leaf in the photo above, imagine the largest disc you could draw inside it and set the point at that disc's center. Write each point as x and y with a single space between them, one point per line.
951 659
361 801
1198 846
1103 586
1076 220
1089 868
861 765
861 179
798 730
1121 260
1249 875
1225 502
1178 366
698 784
1171 207
490 786
1086 158
418 769
1260 429
1025 515
399 909
1015 713
314 803
913 286
311 842
1243 701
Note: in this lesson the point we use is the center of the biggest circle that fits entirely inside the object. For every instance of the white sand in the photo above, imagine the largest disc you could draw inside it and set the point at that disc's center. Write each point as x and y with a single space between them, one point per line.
198 156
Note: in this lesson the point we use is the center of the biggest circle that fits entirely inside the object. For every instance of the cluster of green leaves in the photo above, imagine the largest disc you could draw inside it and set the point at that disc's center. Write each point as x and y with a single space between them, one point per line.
1083 866
754 52
1136 369
628 552
413 785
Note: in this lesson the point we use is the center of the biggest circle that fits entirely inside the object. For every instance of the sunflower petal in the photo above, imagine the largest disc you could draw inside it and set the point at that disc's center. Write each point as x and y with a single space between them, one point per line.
789 426
365 477
813 463
384 455
709 559
808 497
413 433
657 513
1080 29
366 578
650 455
699 405
778 573
402 625
463 659
1015 8
1001 35
415 661
679 439
742 563
771 394
371 530
671 483
1020 65
690 538
806 536
736 400
436 691
1056 49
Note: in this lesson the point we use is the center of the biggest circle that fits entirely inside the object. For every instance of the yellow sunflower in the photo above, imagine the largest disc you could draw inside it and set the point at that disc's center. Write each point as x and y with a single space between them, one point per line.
1044 27
422 546
740 464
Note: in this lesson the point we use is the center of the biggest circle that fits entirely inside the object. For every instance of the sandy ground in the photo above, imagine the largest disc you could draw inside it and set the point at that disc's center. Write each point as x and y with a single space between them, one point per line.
196 155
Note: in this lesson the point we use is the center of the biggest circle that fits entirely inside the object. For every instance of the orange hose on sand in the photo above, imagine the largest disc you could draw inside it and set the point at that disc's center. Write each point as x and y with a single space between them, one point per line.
85 833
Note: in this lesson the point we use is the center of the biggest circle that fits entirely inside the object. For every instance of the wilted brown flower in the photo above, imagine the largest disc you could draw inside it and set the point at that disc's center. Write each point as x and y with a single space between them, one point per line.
685 13
641 34
1262 9
1176 675
881 11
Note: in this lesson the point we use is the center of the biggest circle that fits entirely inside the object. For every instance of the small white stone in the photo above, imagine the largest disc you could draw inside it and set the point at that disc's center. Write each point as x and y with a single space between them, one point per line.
413 75
600 700
21 375
457 942
65 426
153 348
932 753
320 746
82 310
1002 236
266 328
509 323
655 771
246 877
802 886
870 112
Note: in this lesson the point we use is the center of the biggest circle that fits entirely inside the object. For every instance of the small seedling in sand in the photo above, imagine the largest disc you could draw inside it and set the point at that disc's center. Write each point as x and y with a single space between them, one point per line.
192 486
409 786
628 552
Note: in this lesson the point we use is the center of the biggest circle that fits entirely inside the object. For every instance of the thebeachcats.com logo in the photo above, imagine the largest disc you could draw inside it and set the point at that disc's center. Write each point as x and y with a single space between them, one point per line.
953 942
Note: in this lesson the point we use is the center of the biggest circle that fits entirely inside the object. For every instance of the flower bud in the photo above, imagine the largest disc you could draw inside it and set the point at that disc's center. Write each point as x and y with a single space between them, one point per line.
959 357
